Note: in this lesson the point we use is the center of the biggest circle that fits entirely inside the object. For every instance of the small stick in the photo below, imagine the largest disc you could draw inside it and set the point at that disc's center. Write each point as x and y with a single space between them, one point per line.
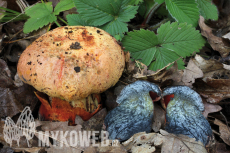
225 120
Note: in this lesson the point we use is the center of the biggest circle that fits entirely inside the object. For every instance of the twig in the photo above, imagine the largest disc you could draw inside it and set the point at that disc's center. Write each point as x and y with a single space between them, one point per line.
123 82
225 120
216 132
9 42
17 15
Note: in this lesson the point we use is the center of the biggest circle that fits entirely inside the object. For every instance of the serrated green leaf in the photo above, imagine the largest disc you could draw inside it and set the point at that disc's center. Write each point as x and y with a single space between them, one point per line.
107 14
39 9
115 27
184 11
36 23
135 2
162 58
172 42
207 9
159 1
141 44
76 19
119 37
96 12
180 64
63 5
127 13
41 15
180 37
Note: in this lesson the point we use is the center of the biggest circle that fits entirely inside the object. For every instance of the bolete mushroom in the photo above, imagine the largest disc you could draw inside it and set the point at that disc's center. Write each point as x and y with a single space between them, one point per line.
70 63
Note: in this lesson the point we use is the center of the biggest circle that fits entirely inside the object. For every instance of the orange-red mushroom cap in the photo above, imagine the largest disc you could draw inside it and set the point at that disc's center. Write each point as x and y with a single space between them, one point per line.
72 62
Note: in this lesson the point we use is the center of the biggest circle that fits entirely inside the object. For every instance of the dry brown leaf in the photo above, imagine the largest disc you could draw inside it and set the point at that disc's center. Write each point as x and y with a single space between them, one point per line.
221 148
112 148
191 73
216 42
181 144
168 142
210 108
209 67
213 86
143 141
226 36
141 70
9 105
5 75
224 131
13 94
172 76
110 102
95 123
158 118
6 150
60 144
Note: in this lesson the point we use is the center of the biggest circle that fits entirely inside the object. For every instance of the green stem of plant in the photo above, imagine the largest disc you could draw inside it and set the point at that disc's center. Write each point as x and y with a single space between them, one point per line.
57 23
62 20
152 11
154 27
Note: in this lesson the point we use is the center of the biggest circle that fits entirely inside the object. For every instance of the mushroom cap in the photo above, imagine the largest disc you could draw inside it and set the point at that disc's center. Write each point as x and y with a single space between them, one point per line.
72 62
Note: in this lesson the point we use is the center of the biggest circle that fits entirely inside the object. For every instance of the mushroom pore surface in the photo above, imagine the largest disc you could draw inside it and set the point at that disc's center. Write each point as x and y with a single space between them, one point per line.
72 62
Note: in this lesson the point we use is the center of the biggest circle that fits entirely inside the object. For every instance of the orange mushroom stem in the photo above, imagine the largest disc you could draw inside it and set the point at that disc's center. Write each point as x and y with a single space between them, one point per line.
61 110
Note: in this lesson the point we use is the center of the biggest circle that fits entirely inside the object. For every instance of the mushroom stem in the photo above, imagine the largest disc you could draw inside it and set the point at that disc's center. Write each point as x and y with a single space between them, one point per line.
61 110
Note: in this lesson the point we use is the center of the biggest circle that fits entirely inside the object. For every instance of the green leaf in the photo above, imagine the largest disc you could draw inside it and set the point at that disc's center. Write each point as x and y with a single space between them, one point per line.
63 5
41 15
172 42
115 27
135 2
109 15
96 12
162 58
159 1
119 37
76 19
207 9
183 11
180 64
141 44
180 37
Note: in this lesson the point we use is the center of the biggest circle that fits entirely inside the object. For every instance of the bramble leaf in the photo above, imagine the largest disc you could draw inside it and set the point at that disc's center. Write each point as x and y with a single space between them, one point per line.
207 9
135 2
109 15
76 19
183 11
63 5
172 42
115 27
41 15
141 44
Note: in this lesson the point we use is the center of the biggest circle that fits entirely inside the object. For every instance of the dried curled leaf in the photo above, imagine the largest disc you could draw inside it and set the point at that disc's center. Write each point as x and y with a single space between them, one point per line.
216 42
168 143
224 131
